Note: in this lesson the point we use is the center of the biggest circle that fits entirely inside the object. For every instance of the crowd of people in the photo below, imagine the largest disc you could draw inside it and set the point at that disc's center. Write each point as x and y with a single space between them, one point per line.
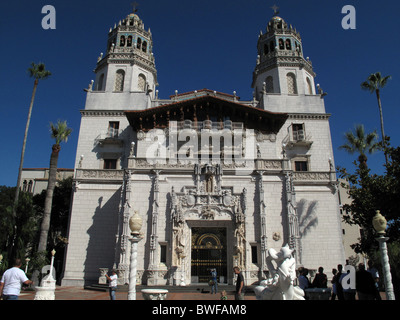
366 282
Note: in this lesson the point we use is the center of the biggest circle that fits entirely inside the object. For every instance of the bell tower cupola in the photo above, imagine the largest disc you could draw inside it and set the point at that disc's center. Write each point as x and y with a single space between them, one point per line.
281 67
128 66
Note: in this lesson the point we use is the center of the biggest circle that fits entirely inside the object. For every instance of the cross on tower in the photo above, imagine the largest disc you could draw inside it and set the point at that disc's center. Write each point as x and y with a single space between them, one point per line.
135 5
276 9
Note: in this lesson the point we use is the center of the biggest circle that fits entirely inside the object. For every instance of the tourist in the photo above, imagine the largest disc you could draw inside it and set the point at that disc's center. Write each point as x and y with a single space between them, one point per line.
223 295
304 283
320 280
112 286
334 291
365 284
12 280
239 293
214 285
348 293
339 288
375 275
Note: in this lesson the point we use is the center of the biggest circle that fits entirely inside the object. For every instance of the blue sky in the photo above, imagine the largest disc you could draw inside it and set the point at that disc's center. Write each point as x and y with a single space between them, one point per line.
197 44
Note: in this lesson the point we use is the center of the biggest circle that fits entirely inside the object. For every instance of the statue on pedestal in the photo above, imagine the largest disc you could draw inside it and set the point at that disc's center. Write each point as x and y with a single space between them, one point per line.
280 284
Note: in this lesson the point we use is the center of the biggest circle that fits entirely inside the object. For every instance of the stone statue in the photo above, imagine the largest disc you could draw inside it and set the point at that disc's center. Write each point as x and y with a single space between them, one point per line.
280 284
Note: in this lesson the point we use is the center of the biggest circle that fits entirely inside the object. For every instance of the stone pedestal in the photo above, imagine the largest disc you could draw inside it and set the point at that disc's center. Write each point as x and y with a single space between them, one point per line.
318 293
154 294
47 290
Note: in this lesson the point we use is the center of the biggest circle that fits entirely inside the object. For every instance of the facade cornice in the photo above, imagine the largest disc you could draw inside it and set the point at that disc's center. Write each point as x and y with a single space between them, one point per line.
102 113
309 116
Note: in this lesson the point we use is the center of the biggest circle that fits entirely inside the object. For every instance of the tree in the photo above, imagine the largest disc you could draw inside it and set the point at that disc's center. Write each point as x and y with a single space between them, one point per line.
361 143
371 192
374 83
38 72
26 225
60 132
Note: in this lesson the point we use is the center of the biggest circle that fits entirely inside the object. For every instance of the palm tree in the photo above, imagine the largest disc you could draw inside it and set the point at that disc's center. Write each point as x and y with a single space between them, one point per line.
60 132
361 143
38 72
374 83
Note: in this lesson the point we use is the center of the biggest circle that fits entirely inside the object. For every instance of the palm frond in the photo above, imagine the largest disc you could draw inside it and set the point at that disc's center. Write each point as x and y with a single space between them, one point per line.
60 131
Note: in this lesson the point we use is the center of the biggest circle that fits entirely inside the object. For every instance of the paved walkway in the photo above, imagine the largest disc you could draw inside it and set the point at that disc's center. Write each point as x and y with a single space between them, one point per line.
79 293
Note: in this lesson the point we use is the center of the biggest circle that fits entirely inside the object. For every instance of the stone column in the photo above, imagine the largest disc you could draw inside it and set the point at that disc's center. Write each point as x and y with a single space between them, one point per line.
263 223
153 236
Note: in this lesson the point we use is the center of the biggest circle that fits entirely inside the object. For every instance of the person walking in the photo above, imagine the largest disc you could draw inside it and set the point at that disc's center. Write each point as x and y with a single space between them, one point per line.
239 293
334 280
214 286
12 280
375 275
320 280
113 283
339 288
365 284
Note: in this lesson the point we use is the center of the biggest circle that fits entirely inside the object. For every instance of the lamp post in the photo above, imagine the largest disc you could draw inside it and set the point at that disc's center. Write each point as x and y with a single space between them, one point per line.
135 224
26 265
53 252
379 222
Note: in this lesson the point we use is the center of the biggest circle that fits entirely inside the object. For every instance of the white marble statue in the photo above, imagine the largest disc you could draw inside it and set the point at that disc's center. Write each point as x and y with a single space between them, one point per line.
280 284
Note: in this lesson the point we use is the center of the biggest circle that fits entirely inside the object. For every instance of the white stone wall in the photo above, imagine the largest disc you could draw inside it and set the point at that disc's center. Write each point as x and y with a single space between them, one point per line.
92 230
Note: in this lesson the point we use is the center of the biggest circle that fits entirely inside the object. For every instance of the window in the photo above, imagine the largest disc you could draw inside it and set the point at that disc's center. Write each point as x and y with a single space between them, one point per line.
100 83
269 84
119 81
122 41
141 82
129 42
281 45
266 49
113 129
288 44
301 166
298 131
291 83
139 43
144 46
309 86
110 164
271 46
163 253
254 250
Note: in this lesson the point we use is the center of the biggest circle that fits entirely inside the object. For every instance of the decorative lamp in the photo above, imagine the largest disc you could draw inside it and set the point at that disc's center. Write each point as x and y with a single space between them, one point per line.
135 223
379 222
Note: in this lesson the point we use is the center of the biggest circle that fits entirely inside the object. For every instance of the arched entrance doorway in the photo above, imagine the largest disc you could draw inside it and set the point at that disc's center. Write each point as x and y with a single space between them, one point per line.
208 252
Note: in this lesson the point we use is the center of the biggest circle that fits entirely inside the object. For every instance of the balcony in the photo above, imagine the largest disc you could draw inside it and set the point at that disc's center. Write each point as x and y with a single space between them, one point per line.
111 137
297 137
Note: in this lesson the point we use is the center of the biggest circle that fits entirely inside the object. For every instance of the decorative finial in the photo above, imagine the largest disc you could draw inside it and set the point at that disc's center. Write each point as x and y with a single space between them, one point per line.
276 9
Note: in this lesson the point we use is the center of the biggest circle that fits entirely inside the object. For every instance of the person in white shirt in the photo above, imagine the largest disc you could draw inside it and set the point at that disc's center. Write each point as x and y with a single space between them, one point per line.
12 280
113 279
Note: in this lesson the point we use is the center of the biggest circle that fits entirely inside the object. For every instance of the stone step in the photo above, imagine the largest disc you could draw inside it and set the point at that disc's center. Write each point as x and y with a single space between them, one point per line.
203 288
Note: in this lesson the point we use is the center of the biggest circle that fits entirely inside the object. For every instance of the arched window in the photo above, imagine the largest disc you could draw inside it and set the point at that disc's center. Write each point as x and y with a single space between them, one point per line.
271 46
266 49
269 84
288 44
291 83
141 82
310 90
100 82
144 46
129 42
281 45
119 81
139 43
122 41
